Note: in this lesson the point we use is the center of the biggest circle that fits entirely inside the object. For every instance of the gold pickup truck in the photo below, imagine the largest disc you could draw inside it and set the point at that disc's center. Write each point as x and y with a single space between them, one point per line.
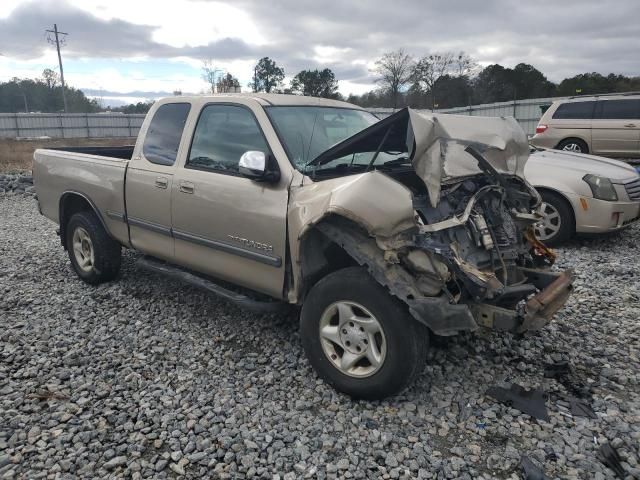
383 232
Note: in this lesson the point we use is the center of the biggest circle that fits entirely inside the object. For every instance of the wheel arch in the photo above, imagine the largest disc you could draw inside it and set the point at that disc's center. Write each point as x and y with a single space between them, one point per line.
583 140
72 202
564 198
321 255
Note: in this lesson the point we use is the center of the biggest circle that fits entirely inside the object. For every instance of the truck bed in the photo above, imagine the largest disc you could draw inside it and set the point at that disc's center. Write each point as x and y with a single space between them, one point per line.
84 172
124 152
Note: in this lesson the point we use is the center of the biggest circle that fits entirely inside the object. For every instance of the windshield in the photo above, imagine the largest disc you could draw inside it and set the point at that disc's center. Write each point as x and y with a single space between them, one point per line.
308 131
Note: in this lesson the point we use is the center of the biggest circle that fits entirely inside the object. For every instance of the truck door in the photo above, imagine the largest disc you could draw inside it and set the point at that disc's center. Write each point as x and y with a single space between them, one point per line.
149 181
224 224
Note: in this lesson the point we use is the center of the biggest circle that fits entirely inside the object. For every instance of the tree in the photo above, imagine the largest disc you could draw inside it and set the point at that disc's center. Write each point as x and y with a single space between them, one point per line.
529 82
210 74
139 107
394 70
228 84
315 83
430 69
493 84
499 84
267 76
50 78
464 64
18 95
590 83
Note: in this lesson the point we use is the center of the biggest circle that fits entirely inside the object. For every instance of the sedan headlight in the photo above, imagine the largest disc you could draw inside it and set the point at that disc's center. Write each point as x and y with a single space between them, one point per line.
601 187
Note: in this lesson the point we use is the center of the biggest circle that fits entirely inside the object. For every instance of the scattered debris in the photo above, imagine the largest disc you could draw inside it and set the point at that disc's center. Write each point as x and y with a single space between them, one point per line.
609 457
580 408
557 369
531 402
47 395
531 470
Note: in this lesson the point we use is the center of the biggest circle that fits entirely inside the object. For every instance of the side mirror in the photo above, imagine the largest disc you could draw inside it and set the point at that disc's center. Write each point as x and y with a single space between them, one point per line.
258 166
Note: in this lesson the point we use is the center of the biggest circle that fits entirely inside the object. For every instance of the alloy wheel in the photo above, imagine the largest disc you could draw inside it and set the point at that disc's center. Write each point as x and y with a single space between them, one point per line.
83 249
352 339
550 224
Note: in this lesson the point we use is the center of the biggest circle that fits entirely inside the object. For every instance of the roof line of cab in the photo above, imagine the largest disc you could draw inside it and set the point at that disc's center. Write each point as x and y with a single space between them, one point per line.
268 99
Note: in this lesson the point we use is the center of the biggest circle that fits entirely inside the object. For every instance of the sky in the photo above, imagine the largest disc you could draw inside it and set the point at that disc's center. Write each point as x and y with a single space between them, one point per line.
131 50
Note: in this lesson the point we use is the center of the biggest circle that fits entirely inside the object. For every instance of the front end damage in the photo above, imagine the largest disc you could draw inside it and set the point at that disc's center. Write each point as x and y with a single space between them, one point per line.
469 257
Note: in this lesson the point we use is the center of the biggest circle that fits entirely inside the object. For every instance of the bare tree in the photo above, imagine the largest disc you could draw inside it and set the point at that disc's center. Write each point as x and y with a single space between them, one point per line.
395 71
464 64
430 69
211 74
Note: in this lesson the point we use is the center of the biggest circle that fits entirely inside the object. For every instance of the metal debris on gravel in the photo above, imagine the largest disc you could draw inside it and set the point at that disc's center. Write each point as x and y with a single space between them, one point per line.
148 378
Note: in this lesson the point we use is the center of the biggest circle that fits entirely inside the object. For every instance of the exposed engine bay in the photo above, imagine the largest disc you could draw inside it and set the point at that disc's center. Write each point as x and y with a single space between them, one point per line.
471 259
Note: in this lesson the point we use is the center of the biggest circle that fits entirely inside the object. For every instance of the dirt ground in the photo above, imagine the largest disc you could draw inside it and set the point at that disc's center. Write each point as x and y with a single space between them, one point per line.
17 155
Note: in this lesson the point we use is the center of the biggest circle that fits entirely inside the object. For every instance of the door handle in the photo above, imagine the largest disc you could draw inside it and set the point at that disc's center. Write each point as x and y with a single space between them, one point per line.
187 187
162 182
630 125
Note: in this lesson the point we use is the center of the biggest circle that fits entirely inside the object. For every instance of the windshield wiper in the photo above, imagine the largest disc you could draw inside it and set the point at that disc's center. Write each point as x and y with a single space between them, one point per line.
396 162
341 167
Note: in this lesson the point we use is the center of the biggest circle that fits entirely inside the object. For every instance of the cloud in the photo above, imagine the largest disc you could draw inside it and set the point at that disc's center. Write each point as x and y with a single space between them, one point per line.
559 38
22 36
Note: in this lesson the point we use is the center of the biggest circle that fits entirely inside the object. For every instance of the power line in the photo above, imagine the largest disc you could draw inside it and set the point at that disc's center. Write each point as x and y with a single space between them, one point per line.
57 41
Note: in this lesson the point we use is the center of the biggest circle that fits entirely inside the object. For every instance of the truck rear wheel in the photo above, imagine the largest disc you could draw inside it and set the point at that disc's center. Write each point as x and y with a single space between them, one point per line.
94 255
359 338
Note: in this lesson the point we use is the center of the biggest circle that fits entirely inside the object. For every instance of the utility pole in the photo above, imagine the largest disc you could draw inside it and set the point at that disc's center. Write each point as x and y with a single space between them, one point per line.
26 106
56 39
255 78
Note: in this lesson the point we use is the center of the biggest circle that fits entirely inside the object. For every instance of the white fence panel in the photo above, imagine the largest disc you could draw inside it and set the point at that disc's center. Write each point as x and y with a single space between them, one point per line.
69 125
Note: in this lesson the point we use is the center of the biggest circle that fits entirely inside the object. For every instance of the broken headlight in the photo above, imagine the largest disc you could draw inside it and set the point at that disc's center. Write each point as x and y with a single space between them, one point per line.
601 187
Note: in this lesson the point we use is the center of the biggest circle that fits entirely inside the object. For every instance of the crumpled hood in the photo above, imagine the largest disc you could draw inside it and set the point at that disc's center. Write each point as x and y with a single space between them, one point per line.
439 141
436 142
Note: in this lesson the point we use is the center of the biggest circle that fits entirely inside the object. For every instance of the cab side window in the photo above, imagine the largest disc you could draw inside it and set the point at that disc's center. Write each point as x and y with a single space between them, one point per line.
165 131
223 133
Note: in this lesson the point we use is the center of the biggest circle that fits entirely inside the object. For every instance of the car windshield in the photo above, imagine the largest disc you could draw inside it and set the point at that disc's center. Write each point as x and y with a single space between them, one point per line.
307 131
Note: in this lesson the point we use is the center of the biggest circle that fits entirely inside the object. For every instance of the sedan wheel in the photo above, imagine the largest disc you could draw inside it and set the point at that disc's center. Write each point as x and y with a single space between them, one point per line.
551 223
557 224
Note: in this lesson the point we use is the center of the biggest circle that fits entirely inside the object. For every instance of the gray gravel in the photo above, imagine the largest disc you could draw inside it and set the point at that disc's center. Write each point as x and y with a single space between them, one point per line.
16 183
147 378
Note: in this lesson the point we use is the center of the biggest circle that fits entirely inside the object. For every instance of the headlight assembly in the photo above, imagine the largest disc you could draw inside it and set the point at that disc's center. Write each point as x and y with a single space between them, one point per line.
601 187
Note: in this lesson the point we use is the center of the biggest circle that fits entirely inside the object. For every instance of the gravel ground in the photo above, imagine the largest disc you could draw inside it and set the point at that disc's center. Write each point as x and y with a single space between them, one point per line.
147 378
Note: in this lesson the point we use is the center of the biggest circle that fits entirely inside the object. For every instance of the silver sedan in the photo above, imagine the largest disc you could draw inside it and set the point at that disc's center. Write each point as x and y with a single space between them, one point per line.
582 194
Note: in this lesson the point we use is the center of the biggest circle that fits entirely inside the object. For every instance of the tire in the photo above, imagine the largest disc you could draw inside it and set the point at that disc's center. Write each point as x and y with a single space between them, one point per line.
400 347
558 226
94 255
574 145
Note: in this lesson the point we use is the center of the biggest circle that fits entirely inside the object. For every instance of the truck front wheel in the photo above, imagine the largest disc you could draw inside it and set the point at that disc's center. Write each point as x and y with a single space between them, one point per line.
94 255
359 338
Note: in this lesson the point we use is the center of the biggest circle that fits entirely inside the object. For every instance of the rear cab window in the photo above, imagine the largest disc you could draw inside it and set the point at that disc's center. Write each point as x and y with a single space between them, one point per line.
165 131
574 111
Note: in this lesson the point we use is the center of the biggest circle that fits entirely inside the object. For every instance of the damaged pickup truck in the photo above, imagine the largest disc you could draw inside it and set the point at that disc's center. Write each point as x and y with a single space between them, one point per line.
383 232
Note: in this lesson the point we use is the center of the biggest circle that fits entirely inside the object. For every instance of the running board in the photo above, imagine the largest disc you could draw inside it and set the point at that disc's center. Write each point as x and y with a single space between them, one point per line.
243 301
